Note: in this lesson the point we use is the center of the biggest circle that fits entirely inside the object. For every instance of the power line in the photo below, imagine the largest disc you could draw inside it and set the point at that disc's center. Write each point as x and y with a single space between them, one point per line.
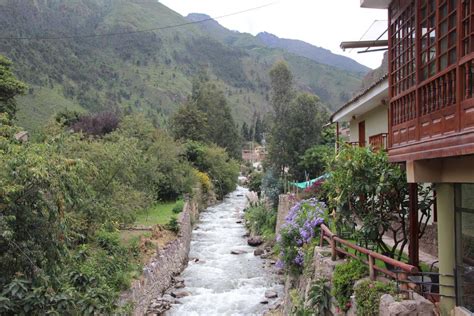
138 31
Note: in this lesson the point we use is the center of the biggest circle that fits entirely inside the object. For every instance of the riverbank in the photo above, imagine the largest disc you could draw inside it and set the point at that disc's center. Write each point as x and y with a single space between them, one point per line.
167 262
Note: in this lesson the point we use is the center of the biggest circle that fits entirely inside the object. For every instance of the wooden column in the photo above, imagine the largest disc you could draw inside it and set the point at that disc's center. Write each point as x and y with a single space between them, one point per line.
413 247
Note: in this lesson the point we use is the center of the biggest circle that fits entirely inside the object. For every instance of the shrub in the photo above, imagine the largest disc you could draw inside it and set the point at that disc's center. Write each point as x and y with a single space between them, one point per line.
178 207
343 280
272 186
300 230
255 182
260 220
367 295
97 124
319 297
205 181
173 225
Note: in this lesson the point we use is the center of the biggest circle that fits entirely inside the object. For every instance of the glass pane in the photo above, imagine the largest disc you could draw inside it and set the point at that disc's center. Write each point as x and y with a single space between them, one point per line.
465 245
432 37
444 45
452 56
443 61
444 28
443 11
432 68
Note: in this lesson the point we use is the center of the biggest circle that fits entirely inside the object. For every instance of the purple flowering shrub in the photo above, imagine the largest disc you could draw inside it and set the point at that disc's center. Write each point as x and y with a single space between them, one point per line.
300 231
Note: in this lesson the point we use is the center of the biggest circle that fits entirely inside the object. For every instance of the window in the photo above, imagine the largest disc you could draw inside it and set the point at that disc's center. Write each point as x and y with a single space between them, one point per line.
402 33
438 39
464 196
467 36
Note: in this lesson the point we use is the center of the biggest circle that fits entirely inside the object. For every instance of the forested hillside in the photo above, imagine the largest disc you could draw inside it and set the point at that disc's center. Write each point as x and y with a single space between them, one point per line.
149 72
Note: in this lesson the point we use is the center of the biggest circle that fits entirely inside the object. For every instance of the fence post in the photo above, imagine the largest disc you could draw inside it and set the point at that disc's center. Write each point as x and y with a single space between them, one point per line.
372 272
403 277
333 249
321 239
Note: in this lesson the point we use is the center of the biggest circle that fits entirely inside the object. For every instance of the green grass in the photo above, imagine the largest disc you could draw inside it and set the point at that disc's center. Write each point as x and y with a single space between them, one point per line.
158 214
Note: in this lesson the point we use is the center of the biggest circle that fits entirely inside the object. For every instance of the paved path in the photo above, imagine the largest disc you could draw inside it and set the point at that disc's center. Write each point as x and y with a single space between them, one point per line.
424 257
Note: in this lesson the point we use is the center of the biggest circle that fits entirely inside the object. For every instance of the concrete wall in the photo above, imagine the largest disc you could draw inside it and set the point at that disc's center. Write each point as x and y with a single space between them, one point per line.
283 209
169 261
376 122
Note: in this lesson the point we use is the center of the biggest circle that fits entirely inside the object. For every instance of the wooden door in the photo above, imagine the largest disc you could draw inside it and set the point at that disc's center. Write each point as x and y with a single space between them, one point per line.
362 134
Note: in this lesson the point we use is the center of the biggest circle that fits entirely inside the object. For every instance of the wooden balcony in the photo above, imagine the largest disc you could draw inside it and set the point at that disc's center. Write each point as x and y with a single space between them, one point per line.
435 118
379 141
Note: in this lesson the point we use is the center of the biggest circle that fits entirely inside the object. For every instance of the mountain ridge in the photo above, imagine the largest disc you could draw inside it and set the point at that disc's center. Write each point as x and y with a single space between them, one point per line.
149 72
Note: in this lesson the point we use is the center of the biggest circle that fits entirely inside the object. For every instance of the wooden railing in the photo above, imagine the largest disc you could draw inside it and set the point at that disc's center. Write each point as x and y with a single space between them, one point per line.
403 270
379 141
425 120
356 144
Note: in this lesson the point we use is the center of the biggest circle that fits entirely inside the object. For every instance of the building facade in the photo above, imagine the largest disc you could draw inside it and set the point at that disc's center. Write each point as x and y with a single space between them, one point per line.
431 124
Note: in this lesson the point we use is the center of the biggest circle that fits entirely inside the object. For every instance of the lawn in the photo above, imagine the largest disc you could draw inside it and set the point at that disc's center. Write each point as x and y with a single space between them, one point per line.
159 214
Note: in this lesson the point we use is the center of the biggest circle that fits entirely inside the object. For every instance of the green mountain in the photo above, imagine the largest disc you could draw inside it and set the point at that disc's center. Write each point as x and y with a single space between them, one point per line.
72 66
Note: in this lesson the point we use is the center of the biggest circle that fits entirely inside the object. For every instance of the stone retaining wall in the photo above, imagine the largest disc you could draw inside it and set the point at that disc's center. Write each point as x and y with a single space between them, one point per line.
168 261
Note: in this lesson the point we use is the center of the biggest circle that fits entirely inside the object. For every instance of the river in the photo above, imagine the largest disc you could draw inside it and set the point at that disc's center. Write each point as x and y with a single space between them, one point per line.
221 283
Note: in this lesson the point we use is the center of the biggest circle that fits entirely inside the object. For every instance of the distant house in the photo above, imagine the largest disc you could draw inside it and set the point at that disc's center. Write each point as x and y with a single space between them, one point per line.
367 116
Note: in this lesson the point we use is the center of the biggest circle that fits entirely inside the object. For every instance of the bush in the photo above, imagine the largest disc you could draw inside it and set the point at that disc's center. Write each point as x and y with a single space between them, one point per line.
260 220
173 225
97 124
299 232
205 181
344 277
255 182
178 207
367 295
272 186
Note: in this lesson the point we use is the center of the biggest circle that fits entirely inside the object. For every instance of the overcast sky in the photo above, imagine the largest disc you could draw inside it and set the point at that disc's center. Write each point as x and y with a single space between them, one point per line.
323 23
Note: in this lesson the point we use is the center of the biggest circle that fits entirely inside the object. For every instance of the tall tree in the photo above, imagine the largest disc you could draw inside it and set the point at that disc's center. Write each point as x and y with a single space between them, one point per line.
297 123
9 87
258 129
207 117
282 94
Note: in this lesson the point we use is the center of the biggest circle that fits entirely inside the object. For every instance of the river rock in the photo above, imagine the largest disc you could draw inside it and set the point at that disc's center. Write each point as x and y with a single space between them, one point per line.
255 241
180 294
271 294
239 222
264 302
238 252
258 252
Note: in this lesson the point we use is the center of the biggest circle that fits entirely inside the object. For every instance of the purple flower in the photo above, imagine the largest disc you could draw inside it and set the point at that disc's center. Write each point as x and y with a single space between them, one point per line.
279 264
299 259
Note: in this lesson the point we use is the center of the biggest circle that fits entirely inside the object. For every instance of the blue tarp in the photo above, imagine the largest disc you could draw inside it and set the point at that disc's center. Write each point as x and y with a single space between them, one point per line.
307 184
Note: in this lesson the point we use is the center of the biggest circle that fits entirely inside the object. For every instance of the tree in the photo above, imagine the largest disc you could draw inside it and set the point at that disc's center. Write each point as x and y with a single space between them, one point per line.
365 187
10 87
245 132
282 94
258 129
190 123
209 118
297 123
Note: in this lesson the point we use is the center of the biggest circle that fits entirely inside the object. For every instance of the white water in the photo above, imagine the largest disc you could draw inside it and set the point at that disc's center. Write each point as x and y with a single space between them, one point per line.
222 283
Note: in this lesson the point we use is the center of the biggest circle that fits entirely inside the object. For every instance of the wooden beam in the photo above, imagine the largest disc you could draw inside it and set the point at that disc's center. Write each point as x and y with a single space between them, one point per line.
413 247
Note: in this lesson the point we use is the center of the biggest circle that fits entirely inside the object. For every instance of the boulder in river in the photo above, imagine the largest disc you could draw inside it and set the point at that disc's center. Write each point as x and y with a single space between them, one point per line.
180 294
255 241
238 252
271 294
258 252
